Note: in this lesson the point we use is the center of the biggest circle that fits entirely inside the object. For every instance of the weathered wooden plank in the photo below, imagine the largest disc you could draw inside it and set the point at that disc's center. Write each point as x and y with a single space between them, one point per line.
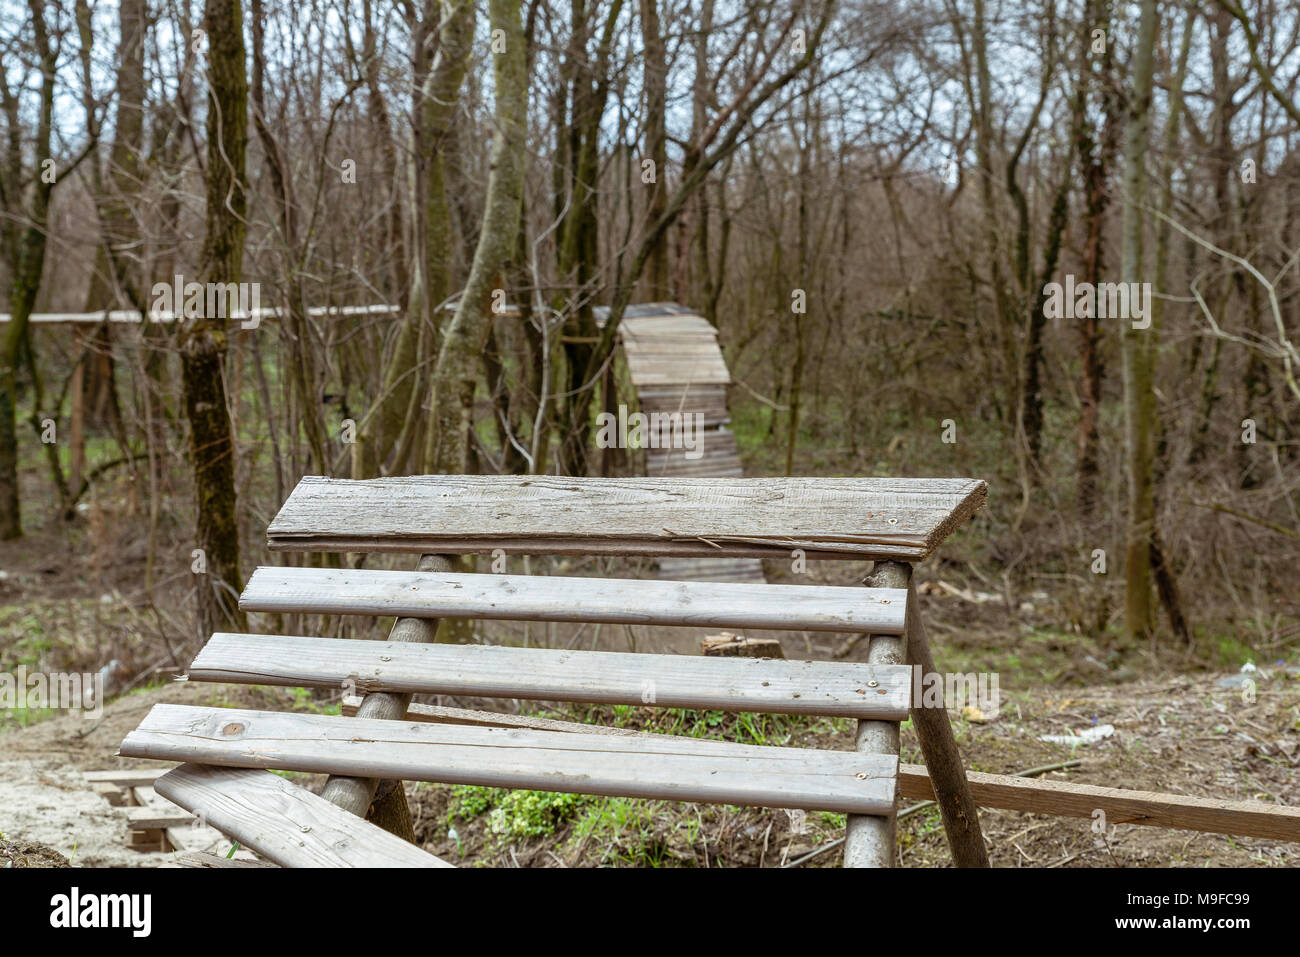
607 677
335 591
205 859
826 517
284 823
125 777
653 766
1152 808
151 818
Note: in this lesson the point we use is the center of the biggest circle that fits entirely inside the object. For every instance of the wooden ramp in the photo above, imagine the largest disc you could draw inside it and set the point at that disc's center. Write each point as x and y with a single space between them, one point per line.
677 369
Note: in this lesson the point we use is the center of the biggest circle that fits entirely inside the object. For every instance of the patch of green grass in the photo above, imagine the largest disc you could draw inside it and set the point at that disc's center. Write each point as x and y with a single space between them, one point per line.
1230 652
629 830
832 819
24 717
304 701
743 727
515 813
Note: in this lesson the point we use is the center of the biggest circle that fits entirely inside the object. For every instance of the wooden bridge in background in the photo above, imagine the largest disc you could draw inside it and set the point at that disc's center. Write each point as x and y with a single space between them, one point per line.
676 367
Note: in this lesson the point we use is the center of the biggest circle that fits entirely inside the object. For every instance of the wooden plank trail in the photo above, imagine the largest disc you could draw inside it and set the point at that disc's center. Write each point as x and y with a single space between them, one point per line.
828 518
332 591
1003 791
668 681
657 767
287 824
676 366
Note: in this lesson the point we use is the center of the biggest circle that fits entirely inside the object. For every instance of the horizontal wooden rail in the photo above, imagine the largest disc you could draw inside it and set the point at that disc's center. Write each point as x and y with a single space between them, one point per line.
843 518
132 316
411 594
848 689
645 766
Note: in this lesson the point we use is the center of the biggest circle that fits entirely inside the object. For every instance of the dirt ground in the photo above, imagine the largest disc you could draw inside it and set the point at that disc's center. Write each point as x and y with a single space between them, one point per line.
1183 736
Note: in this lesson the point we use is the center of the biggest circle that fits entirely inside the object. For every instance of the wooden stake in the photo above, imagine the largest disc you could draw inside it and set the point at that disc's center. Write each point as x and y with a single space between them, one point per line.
961 820
364 797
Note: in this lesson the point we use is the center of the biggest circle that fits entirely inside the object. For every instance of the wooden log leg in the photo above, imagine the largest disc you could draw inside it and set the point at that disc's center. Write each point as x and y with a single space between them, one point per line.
961 821
364 797
869 839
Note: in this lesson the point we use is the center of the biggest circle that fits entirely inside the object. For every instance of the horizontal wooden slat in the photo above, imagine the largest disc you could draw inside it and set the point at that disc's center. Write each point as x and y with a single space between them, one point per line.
654 766
666 681
737 517
335 591
285 823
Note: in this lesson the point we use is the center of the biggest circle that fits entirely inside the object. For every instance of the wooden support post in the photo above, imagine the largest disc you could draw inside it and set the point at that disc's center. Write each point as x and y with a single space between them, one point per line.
384 802
869 840
961 821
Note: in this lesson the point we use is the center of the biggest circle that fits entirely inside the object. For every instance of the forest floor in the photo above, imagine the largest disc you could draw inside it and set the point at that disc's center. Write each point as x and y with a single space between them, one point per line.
1183 734
1181 725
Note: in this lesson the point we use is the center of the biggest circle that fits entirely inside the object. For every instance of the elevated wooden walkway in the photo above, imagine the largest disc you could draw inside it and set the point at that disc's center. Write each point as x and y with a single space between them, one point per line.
676 366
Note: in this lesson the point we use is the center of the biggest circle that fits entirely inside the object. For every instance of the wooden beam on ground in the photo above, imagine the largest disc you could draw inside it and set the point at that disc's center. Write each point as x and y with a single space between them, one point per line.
1122 806
657 767
834 688
628 601
734 646
716 517
438 714
284 823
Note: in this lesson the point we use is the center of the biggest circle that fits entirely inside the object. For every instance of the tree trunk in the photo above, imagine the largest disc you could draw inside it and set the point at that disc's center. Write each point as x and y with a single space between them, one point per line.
456 373
1138 346
656 143
26 281
203 343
